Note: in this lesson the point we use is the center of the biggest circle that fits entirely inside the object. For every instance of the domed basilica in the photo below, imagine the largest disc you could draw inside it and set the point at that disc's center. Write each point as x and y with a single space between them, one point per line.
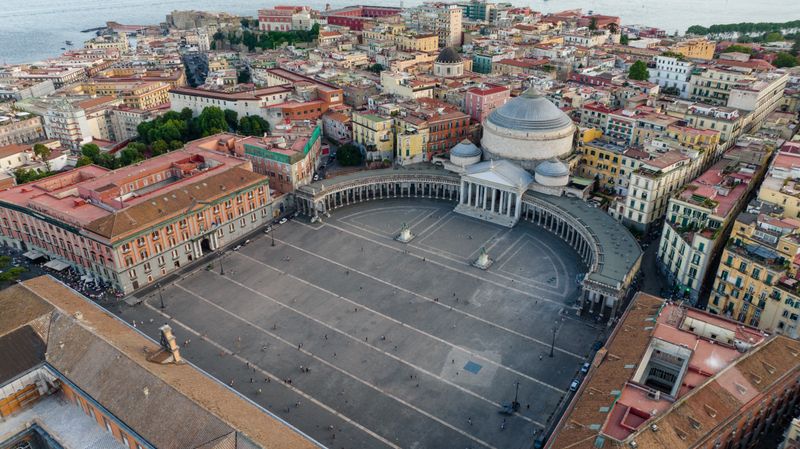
524 142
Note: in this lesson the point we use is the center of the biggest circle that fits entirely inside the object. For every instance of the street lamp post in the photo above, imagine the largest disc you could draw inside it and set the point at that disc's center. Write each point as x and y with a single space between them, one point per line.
272 234
553 343
221 269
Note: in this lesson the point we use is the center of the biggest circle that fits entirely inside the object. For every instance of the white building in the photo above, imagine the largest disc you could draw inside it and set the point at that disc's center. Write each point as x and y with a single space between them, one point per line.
672 73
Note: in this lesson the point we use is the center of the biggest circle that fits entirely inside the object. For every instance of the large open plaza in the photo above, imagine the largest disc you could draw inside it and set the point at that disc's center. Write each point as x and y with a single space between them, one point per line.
361 341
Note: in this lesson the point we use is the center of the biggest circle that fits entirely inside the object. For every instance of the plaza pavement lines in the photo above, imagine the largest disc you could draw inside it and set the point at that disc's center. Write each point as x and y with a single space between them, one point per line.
402 324
332 366
377 349
272 375
454 309
459 262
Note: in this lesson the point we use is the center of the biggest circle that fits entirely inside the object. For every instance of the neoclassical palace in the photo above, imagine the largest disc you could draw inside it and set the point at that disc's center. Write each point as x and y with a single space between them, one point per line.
609 251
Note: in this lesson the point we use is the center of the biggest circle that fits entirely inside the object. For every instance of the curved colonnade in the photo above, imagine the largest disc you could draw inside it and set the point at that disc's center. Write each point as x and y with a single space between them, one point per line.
604 285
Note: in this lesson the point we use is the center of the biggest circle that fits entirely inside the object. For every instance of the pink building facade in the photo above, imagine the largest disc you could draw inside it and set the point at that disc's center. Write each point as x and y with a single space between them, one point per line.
479 102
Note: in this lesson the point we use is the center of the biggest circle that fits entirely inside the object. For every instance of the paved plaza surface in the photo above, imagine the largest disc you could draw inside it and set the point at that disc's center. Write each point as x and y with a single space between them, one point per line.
387 344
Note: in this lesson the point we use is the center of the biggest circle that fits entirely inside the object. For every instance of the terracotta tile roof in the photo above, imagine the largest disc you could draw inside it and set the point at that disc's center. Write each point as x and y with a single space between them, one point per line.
176 202
583 420
690 420
14 148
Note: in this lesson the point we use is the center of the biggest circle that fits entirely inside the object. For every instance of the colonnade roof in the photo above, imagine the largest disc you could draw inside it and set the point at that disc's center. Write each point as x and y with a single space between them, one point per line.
620 252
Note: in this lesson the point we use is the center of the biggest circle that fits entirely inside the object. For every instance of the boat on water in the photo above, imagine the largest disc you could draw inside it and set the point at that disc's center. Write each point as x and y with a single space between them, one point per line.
68 42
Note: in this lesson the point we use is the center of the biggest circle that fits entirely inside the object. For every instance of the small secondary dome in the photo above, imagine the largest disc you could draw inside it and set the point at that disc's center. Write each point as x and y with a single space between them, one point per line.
552 168
530 111
465 148
448 55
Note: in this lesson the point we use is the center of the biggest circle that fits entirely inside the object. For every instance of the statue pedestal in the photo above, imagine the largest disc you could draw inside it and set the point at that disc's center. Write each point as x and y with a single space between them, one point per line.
483 261
405 236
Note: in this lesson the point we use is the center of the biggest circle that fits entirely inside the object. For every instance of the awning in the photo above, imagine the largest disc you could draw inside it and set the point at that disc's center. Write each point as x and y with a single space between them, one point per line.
33 255
57 265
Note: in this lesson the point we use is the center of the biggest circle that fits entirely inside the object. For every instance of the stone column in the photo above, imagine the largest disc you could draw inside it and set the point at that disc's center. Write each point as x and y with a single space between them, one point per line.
469 194
486 191
494 197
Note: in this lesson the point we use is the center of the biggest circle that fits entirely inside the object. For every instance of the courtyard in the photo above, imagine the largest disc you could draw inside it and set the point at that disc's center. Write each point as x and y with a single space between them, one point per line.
364 342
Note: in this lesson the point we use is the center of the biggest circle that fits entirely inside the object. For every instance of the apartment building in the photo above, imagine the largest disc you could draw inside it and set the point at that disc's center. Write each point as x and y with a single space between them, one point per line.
756 281
713 85
374 133
442 19
699 216
726 120
781 186
130 227
411 139
673 75
758 96
288 157
699 48
75 122
650 187
20 128
480 101
135 95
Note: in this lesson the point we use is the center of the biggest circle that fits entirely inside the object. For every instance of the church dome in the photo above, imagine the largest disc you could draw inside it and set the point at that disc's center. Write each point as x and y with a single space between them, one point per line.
527 129
448 55
465 153
552 173
465 148
552 168
530 111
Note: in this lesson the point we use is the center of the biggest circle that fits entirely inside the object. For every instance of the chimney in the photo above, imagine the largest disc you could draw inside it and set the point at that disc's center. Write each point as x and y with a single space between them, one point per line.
169 344
170 351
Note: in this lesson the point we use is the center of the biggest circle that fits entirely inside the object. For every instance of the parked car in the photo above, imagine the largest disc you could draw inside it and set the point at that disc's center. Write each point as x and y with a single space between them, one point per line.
283 220
237 247
585 368
574 385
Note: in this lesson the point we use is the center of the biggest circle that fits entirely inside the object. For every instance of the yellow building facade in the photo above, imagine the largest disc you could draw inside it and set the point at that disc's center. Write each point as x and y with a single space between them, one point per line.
695 49
373 132
755 281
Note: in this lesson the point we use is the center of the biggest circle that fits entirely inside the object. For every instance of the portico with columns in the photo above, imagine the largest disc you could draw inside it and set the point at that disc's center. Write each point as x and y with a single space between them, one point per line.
492 191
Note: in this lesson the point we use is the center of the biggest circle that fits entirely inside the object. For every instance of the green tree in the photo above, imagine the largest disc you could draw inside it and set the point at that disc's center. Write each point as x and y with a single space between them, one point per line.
785 60
253 126
129 156
349 155
624 39
739 49
12 274
796 46
593 24
638 71
175 145
774 36
43 152
159 147
375 68
83 160
92 151
231 118
24 175
212 121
